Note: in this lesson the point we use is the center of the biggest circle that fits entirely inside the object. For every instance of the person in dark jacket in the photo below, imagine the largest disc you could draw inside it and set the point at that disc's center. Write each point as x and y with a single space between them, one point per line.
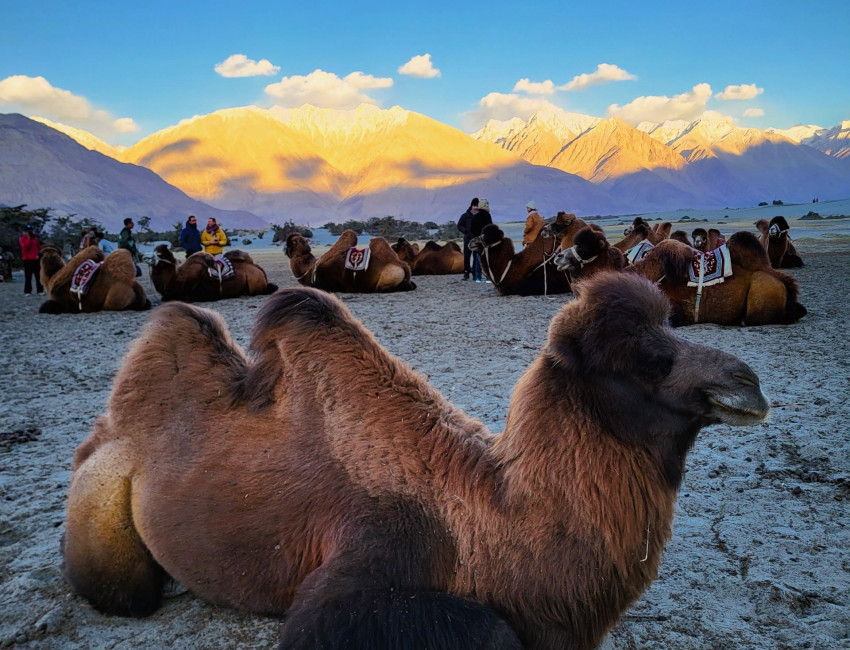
480 218
128 242
464 225
190 236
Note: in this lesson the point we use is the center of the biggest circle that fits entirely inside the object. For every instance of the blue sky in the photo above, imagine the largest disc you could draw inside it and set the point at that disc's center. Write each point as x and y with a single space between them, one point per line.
125 70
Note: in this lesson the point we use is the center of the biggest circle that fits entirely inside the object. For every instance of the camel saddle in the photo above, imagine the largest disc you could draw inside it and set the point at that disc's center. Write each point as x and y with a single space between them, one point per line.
223 269
81 280
638 252
709 268
357 259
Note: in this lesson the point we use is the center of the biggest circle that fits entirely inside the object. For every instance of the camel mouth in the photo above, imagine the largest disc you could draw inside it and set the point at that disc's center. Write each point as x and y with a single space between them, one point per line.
741 409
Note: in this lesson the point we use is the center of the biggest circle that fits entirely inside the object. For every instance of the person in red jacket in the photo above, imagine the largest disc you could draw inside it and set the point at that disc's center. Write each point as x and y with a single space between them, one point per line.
30 248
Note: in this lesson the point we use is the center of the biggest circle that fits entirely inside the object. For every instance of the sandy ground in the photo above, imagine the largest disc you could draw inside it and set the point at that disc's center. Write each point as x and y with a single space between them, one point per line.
759 556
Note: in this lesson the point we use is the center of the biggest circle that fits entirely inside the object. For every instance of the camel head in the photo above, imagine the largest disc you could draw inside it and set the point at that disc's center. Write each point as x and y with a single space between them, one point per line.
649 386
778 227
562 221
663 229
404 250
588 244
51 261
680 235
639 221
700 237
162 254
296 245
763 225
491 235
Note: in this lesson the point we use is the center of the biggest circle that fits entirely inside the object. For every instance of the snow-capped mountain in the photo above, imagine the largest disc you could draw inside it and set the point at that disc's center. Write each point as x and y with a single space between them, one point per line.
84 138
43 168
798 133
833 142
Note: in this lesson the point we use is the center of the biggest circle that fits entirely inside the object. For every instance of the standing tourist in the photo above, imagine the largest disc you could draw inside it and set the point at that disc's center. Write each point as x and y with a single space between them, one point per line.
213 238
480 218
128 242
30 248
533 223
190 236
464 225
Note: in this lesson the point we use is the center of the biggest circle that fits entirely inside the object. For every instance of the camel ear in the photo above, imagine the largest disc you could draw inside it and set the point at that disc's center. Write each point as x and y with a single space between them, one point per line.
604 331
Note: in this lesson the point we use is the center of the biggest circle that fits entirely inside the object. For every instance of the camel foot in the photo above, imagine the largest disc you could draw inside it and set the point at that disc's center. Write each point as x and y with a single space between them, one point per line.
270 288
50 307
398 619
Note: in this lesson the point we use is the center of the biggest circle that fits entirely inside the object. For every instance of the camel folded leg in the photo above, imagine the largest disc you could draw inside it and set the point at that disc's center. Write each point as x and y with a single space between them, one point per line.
105 560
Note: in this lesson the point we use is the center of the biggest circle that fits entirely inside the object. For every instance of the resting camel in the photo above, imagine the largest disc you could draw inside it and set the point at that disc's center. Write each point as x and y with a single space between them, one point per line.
386 271
756 294
432 259
112 288
590 254
707 240
322 478
640 232
564 228
776 241
531 272
681 235
191 281
50 261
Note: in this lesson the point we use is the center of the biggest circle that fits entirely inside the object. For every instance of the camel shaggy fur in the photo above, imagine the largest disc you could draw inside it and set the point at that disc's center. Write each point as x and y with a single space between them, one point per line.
531 272
113 287
639 231
778 244
191 281
386 271
756 294
564 228
321 477
590 254
432 259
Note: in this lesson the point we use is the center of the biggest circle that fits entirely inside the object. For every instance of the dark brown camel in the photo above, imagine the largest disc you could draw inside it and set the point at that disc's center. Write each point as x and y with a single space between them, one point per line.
432 259
707 240
191 281
564 228
756 294
778 244
590 254
682 236
531 272
386 271
322 478
638 233
50 261
112 288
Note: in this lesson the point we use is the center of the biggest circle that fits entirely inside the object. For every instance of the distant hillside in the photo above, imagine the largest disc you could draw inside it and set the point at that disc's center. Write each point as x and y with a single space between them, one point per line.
43 168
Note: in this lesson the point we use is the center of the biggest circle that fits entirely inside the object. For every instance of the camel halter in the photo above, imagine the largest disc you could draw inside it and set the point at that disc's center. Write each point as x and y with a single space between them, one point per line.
699 289
487 248
544 264
312 268
583 262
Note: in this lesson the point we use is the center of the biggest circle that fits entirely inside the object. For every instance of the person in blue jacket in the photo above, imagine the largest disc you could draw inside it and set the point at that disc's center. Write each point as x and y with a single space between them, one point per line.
190 236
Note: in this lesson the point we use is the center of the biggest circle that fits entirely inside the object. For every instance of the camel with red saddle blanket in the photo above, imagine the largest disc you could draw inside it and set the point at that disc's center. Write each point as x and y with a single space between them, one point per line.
204 277
431 259
89 282
738 287
374 268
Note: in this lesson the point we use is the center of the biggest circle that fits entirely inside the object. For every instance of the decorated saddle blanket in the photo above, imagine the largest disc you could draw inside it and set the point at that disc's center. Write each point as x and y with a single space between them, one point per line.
223 268
714 266
83 276
638 252
357 259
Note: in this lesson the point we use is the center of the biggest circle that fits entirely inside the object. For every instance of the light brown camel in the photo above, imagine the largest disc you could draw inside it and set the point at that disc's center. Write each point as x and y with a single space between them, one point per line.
564 228
778 244
191 281
590 254
531 272
386 271
638 234
50 261
322 477
112 288
432 259
756 294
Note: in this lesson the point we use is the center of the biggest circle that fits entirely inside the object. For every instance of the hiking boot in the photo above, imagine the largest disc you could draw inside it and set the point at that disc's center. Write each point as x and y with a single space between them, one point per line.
466 276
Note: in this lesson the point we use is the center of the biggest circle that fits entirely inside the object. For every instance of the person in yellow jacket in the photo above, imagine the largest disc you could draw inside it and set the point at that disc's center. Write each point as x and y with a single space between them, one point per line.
213 238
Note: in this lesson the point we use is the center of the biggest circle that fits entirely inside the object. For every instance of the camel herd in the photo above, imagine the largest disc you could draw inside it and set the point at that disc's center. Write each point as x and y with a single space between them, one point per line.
346 494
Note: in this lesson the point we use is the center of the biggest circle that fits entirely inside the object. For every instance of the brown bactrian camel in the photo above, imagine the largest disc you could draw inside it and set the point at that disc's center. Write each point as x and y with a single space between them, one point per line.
756 294
322 478
707 240
682 236
531 272
590 254
564 227
386 272
533 226
778 244
191 281
50 261
113 286
432 259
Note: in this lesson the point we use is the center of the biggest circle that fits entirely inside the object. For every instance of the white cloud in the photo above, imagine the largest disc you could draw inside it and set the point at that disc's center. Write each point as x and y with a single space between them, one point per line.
534 87
326 90
604 73
659 108
420 66
35 95
239 65
754 112
744 91
501 106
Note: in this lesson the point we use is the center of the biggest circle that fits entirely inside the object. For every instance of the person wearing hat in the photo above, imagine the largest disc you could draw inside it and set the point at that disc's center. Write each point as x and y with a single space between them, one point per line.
464 225
30 248
480 218
533 223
